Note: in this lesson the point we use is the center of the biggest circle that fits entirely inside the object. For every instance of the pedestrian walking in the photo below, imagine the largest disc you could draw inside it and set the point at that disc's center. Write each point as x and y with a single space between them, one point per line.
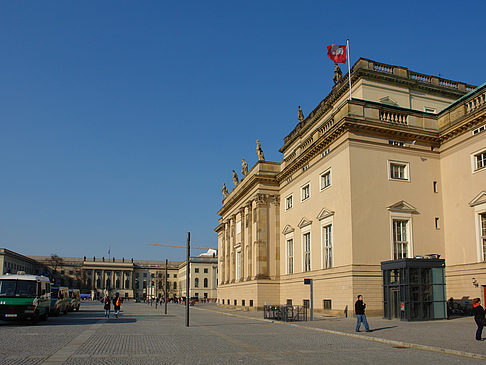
478 312
117 304
359 309
107 307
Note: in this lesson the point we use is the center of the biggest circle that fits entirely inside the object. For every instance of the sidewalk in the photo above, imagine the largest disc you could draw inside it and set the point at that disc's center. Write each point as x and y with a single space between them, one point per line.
444 335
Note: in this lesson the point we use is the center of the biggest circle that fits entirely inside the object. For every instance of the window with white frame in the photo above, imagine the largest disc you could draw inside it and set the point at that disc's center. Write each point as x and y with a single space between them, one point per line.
306 240
480 161
289 202
399 170
305 192
400 238
290 256
238 265
327 243
238 227
325 178
482 219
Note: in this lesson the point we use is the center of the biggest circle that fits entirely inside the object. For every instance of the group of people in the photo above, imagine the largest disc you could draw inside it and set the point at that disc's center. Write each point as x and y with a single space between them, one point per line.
117 301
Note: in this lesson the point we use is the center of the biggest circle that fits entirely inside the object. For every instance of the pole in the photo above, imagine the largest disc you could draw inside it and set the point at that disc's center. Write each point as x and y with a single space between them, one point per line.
349 68
165 296
188 274
311 299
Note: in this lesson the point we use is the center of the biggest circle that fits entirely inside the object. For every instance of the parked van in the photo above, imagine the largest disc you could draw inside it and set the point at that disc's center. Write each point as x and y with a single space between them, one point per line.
59 300
74 300
24 297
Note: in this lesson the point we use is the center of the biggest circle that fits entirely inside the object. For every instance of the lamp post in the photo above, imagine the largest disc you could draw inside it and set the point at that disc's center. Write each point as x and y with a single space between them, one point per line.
188 274
165 294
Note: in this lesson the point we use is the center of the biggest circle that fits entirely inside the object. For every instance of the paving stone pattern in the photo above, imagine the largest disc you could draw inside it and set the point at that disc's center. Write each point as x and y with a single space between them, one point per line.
143 335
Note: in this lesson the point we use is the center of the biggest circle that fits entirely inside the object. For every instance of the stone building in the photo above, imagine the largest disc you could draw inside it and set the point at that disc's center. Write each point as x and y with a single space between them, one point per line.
204 281
397 171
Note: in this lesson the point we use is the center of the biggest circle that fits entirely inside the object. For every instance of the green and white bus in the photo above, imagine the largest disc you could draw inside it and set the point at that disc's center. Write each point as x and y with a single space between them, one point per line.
59 299
24 297
74 300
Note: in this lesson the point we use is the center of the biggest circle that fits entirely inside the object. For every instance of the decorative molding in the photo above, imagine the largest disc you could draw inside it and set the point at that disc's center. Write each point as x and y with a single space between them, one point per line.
261 199
287 229
324 213
304 222
478 199
402 207
275 199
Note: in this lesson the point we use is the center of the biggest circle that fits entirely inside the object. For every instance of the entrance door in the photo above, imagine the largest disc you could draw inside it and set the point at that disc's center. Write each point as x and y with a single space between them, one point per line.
395 303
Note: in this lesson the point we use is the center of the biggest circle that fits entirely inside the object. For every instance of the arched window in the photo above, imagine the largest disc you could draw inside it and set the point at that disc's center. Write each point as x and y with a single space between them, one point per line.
205 282
196 282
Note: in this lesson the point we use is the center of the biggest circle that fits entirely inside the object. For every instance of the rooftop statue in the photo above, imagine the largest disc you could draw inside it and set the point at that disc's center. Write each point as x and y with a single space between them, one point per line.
338 74
244 167
225 191
300 115
235 178
259 150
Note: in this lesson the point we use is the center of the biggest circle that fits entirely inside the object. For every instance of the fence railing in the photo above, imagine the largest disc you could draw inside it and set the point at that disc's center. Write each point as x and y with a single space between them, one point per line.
286 313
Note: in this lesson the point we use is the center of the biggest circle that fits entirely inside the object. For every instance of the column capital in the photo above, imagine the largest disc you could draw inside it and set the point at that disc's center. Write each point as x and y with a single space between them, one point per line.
261 199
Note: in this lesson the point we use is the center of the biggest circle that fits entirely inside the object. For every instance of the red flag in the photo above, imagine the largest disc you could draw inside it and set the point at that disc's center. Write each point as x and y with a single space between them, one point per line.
337 53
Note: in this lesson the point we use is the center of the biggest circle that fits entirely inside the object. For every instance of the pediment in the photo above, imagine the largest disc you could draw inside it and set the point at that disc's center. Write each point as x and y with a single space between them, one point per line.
324 213
403 207
304 222
287 229
479 199
389 101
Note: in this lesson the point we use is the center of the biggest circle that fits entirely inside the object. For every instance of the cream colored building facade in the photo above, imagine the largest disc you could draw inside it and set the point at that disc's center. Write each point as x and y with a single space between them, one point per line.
398 171
203 278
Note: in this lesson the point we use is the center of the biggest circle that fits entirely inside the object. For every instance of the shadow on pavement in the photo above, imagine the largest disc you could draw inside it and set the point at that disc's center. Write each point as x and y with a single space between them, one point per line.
383 328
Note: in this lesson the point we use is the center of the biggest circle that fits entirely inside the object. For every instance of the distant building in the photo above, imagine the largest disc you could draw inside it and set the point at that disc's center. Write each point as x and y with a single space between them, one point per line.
397 172
12 262
203 278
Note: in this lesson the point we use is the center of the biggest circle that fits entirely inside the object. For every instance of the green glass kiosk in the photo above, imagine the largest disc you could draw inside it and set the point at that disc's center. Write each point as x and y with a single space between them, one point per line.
414 289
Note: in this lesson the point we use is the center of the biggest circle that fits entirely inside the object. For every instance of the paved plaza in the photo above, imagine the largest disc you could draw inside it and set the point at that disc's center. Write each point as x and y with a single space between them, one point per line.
144 335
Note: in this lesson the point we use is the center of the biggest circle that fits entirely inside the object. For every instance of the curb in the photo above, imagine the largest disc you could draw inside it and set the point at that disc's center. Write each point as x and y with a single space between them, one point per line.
440 350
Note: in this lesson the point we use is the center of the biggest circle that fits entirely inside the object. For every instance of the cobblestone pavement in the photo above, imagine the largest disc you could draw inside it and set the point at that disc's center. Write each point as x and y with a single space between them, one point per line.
143 335
455 334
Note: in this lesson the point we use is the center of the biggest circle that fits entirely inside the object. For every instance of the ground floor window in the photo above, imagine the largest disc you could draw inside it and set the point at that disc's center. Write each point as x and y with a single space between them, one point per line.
483 233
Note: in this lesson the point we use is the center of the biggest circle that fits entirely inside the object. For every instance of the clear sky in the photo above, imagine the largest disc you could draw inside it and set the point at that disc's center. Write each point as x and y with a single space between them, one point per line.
120 120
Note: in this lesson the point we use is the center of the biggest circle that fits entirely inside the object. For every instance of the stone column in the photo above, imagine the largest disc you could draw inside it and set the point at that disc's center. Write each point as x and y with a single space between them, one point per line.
261 242
242 246
102 279
93 279
249 241
232 249
227 234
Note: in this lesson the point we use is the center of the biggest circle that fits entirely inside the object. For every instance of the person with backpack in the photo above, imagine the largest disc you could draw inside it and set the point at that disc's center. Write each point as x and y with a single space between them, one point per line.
117 304
107 306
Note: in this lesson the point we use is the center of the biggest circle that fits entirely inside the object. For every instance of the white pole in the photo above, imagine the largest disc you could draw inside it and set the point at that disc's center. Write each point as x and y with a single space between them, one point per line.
349 68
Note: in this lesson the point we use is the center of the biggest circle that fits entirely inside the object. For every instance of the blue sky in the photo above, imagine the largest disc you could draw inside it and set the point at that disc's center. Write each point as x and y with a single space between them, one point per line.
120 120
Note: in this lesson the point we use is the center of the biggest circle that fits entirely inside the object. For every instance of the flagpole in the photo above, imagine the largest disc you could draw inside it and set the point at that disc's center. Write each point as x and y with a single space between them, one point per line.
349 68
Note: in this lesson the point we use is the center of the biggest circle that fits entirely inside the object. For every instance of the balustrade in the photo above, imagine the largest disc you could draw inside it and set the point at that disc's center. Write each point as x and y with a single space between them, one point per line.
447 83
382 68
476 103
420 78
393 117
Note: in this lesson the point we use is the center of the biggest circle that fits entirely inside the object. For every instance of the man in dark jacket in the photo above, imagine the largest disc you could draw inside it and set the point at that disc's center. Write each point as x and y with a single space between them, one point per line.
359 310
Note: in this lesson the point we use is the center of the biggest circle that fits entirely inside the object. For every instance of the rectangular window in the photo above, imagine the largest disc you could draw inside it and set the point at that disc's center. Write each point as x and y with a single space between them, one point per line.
307 251
398 171
327 239
289 301
400 239
206 271
305 192
306 303
251 302
290 256
238 265
436 189
483 234
289 202
327 304
236 302
238 227
480 161
196 270
325 179
437 226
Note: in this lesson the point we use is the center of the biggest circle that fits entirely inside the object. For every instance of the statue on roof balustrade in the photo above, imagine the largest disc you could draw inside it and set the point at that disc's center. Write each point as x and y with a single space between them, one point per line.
300 115
235 178
244 167
259 151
